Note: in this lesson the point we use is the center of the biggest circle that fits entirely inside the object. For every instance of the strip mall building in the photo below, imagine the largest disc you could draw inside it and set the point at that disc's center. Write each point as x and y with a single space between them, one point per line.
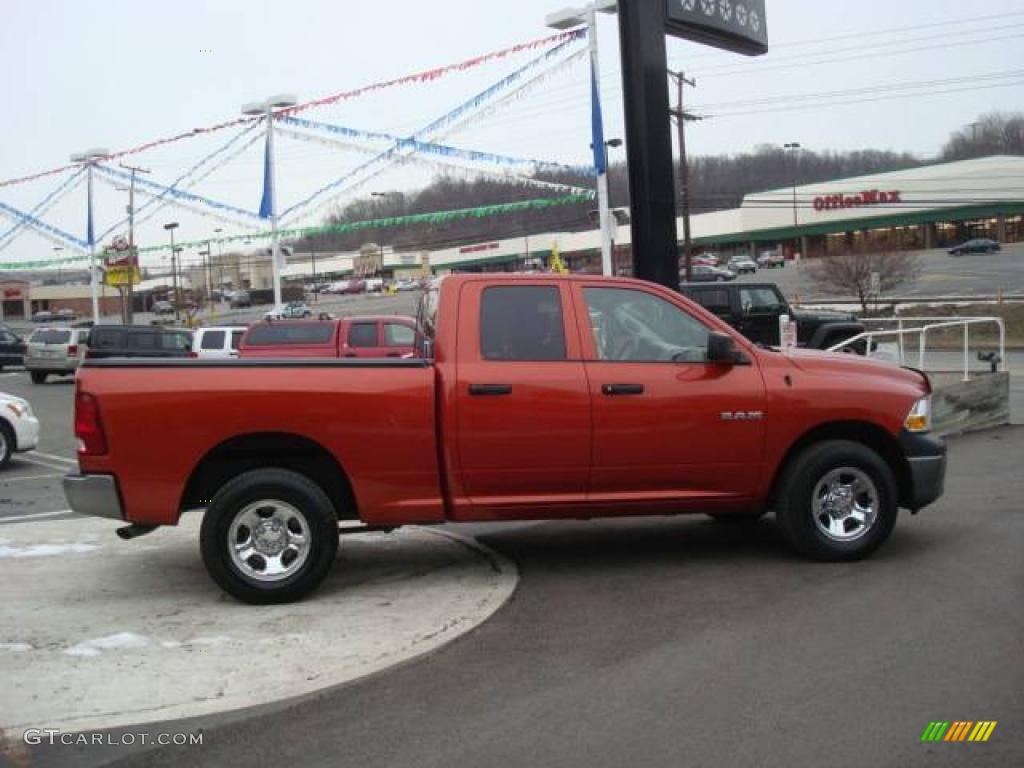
931 206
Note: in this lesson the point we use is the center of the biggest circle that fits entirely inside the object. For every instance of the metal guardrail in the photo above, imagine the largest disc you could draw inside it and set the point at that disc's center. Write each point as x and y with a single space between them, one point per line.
928 324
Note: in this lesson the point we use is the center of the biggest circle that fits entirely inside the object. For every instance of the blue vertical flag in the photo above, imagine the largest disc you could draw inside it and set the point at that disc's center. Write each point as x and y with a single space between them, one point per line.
266 209
597 125
90 235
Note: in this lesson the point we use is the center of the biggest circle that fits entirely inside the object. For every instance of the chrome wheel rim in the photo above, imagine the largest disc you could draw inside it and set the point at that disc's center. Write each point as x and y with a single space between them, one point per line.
845 504
269 540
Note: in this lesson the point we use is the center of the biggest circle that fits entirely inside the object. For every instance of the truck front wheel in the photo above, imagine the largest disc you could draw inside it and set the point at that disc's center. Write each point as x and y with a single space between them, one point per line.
269 536
837 501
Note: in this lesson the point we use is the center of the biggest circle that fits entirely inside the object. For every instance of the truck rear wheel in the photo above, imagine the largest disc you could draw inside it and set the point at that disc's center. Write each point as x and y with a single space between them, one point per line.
837 501
269 536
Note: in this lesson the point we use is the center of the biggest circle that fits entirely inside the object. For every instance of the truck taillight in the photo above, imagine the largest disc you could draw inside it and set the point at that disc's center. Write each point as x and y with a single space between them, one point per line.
88 426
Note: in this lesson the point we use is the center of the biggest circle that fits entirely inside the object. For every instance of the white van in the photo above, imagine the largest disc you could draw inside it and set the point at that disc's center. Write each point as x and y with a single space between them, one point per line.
217 341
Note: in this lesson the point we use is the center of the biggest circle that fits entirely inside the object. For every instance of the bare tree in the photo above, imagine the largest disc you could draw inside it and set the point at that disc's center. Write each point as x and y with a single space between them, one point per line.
850 273
995 133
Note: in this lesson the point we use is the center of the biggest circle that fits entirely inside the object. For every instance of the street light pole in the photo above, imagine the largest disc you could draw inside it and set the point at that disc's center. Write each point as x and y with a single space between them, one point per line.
266 108
129 311
170 227
566 19
89 158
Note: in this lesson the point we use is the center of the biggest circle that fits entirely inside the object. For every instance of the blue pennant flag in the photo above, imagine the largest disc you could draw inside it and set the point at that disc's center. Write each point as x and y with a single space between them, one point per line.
90 235
597 125
266 207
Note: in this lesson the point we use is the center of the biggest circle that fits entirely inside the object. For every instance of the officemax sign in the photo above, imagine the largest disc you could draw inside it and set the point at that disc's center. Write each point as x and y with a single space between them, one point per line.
872 197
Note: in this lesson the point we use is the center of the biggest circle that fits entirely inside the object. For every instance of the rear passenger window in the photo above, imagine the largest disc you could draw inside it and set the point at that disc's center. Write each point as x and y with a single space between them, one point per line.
212 340
396 335
141 340
363 335
522 322
236 338
271 334
714 301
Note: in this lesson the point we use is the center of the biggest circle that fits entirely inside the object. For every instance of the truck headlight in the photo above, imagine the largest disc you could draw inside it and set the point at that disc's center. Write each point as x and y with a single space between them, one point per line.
920 417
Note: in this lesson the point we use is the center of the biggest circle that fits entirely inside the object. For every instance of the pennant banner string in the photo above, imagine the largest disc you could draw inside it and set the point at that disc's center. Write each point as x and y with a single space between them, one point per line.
44 205
41 226
420 77
440 123
176 194
176 184
445 162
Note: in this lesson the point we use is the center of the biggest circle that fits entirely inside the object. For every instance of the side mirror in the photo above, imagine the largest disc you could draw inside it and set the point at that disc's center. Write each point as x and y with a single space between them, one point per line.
722 350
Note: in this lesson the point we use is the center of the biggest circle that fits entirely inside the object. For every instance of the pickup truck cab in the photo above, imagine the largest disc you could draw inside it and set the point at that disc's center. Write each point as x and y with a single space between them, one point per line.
532 397
754 309
383 336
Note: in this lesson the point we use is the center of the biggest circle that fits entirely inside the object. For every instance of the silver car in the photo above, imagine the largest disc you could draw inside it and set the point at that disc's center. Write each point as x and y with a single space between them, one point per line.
55 351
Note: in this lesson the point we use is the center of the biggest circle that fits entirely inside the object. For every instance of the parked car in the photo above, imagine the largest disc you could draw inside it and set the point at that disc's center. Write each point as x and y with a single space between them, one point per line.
163 308
771 260
12 347
55 351
405 284
364 337
355 286
43 316
977 245
217 341
754 310
701 273
532 397
705 260
239 300
19 427
66 314
108 341
742 265
293 310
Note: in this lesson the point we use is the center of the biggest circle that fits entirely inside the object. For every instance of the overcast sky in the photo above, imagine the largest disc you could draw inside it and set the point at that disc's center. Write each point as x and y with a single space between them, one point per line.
113 73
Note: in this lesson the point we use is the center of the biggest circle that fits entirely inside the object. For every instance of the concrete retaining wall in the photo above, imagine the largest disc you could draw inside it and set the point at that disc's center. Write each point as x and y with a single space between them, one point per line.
967 406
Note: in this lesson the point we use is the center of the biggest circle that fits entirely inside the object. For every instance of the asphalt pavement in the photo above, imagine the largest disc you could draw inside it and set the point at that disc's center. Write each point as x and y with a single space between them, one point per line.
685 642
941 275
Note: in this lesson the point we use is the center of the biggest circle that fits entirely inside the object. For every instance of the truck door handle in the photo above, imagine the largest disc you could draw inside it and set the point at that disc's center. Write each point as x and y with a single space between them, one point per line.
622 389
490 389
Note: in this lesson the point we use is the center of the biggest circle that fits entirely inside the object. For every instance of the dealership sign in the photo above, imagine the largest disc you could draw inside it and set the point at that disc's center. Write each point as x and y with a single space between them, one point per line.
735 25
861 199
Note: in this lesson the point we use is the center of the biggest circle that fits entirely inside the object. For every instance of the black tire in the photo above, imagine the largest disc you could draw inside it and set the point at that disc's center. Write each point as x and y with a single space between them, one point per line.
9 442
38 377
796 508
236 501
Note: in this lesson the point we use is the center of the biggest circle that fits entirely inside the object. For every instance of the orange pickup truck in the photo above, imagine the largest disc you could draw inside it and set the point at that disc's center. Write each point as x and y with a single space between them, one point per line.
531 397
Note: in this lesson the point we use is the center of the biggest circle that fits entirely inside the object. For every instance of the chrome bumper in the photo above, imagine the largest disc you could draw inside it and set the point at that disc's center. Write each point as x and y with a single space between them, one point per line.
94 495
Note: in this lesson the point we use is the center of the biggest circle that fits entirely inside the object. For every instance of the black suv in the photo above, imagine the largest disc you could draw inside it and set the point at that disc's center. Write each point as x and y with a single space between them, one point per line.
138 341
754 309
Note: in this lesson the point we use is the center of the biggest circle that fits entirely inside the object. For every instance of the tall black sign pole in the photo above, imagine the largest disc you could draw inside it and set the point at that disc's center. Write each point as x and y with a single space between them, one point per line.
737 27
648 141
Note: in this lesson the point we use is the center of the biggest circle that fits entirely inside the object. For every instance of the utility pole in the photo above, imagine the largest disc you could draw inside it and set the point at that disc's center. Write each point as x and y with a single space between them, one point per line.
312 249
682 116
129 309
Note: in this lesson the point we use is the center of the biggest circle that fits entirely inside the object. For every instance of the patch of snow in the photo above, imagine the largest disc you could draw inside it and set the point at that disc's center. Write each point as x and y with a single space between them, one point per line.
44 550
15 647
109 643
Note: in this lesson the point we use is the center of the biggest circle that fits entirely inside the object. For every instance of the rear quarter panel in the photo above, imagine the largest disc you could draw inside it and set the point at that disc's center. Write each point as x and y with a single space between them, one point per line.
378 422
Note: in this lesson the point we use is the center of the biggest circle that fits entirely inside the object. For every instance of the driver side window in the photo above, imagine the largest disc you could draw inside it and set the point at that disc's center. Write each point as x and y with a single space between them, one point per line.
636 326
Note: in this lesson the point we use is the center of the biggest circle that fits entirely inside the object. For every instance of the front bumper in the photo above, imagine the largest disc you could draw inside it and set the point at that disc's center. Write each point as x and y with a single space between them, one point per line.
926 457
94 495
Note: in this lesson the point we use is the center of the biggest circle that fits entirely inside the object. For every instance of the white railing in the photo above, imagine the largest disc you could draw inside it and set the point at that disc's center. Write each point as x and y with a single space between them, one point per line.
928 324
